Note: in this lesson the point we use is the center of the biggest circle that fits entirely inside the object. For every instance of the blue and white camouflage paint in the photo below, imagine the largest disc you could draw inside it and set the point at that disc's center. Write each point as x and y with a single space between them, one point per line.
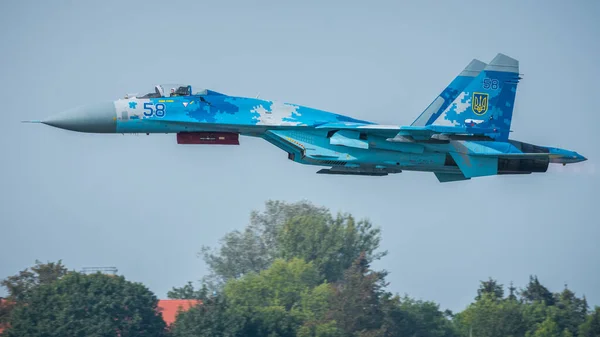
463 133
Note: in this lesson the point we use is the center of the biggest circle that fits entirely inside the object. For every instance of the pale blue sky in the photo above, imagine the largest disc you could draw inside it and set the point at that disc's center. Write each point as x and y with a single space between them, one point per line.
146 205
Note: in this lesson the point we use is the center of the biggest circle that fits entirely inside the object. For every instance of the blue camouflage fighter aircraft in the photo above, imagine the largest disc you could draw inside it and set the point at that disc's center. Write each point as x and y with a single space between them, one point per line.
462 134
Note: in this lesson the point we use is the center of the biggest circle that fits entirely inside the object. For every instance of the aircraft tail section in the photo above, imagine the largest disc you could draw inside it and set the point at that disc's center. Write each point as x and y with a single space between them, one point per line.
441 102
487 102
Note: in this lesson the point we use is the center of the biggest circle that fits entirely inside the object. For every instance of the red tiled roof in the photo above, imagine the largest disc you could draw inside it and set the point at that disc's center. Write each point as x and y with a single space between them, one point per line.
169 308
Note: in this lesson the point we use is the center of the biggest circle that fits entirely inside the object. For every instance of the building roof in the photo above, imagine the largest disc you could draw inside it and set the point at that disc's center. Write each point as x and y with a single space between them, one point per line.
169 308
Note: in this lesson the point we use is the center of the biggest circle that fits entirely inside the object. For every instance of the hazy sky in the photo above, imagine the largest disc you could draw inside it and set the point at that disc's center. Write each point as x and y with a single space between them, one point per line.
145 204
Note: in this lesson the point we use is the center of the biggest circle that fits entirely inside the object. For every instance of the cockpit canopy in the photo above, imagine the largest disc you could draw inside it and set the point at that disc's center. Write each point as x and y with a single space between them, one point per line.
166 90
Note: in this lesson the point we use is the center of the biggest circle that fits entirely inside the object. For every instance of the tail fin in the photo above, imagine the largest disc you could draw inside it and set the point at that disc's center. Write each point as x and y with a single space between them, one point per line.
449 94
488 101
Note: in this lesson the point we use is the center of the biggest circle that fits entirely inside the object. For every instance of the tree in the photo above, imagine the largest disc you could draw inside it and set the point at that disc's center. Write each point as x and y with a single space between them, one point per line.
268 223
355 305
282 285
490 287
419 318
284 300
240 253
256 247
535 291
490 317
188 292
20 285
548 328
591 326
211 319
296 270
314 310
332 244
87 305
571 311
534 313
287 231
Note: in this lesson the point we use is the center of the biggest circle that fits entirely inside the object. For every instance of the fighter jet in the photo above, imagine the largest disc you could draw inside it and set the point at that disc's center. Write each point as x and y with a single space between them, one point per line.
462 134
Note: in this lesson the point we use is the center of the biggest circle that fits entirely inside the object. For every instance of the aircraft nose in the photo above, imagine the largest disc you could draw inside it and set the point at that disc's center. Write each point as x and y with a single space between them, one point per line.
95 118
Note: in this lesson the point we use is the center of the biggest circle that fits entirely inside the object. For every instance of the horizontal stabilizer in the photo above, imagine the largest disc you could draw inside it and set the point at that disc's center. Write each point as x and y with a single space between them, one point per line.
475 166
557 156
449 177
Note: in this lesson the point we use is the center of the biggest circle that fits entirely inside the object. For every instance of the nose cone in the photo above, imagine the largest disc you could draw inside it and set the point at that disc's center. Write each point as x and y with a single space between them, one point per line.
96 118
579 158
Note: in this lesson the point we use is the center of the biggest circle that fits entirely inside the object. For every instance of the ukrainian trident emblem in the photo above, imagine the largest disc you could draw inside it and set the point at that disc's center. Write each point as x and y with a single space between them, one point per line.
480 103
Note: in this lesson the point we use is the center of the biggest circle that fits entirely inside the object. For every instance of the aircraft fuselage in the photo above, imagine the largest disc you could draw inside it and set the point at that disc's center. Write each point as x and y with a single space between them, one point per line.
462 134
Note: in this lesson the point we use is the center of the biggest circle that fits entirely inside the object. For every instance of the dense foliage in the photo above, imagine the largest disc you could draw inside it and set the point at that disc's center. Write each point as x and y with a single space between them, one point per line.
20 286
536 312
75 304
295 270
292 230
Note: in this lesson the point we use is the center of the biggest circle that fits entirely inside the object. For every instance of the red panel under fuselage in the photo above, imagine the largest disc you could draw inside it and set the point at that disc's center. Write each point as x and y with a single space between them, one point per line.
215 138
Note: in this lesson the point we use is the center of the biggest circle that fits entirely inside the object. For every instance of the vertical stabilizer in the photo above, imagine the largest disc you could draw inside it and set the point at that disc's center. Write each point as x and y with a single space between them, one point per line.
450 93
488 101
